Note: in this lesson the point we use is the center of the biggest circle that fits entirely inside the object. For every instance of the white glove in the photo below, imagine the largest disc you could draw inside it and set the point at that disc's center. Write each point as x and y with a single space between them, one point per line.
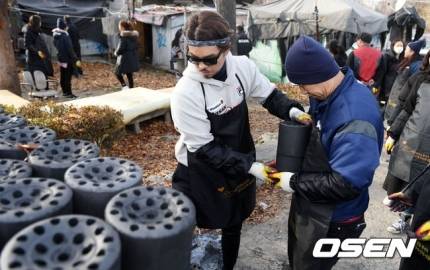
300 116
283 180
261 171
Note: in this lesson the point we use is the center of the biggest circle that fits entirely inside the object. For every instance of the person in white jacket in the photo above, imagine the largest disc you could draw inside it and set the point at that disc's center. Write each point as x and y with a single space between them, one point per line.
215 151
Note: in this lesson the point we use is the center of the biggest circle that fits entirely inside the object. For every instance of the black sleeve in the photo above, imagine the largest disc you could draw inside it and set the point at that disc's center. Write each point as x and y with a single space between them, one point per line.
222 157
418 186
394 114
69 48
30 42
401 100
351 63
411 101
380 73
405 106
121 47
398 125
278 104
323 187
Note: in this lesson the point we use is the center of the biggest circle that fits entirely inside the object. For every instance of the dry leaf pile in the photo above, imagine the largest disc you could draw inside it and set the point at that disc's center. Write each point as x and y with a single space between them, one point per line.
152 149
100 77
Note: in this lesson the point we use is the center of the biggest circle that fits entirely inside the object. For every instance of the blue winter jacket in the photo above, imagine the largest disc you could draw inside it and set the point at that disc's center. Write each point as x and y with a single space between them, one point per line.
352 135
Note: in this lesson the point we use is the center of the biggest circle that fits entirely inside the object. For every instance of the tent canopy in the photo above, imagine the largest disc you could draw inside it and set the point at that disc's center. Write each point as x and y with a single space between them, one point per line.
286 18
88 28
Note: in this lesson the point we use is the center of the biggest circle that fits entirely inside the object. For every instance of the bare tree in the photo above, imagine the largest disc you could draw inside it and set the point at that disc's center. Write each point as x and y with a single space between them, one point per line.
8 72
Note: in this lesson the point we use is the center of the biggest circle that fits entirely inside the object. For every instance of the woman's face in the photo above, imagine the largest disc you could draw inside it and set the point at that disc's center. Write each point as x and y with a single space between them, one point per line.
398 47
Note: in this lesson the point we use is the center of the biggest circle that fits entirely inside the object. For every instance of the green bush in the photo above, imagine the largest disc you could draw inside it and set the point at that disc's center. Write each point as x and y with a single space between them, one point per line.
101 125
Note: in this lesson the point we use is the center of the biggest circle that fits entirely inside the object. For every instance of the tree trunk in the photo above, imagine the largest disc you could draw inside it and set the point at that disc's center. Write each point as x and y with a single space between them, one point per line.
227 9
8 71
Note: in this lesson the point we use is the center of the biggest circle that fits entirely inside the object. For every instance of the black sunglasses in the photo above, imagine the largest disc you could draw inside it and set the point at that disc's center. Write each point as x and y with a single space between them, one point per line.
208 61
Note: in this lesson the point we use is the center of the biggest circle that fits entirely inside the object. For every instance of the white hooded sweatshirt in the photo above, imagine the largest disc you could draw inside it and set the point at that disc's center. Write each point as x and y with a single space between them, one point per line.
188 102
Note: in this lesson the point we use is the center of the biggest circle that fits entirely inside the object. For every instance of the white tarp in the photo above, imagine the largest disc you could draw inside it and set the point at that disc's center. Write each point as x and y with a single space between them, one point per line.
288 18
9 98
132 103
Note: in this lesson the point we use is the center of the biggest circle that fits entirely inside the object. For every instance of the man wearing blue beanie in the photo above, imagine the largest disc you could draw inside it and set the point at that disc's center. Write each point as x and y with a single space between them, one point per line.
330 193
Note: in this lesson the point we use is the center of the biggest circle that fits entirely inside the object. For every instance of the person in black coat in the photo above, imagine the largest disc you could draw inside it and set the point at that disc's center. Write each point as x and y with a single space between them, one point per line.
36 51
66 57
416 196
127 60
74 37
391 61
244 46
338 52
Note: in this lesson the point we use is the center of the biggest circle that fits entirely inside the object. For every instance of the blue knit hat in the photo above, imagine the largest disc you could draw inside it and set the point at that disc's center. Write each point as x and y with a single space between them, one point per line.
416 46
308 62
61 24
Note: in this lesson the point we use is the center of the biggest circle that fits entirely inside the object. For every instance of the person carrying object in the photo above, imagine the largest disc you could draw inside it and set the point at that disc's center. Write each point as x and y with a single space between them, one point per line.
215 152
330 191
416 195
67 58
36 51
410 128
74 35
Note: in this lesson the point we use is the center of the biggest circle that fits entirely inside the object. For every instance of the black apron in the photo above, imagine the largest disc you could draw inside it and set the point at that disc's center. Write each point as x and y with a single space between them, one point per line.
308 221
220 200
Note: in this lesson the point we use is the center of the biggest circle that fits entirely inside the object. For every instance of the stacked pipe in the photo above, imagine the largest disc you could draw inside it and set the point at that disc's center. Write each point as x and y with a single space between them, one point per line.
13 140
10 121
156 227
52 159
95 181
64 242
14 169
37 230
27 200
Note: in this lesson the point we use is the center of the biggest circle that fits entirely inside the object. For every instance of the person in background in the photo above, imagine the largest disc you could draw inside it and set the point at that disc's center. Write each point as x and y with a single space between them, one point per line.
338 52
409 66
127 60
177 54
244 45
36 51
67 58
366 63
411 162
391 60
74 37
330 192
417 197
215 152
409 127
